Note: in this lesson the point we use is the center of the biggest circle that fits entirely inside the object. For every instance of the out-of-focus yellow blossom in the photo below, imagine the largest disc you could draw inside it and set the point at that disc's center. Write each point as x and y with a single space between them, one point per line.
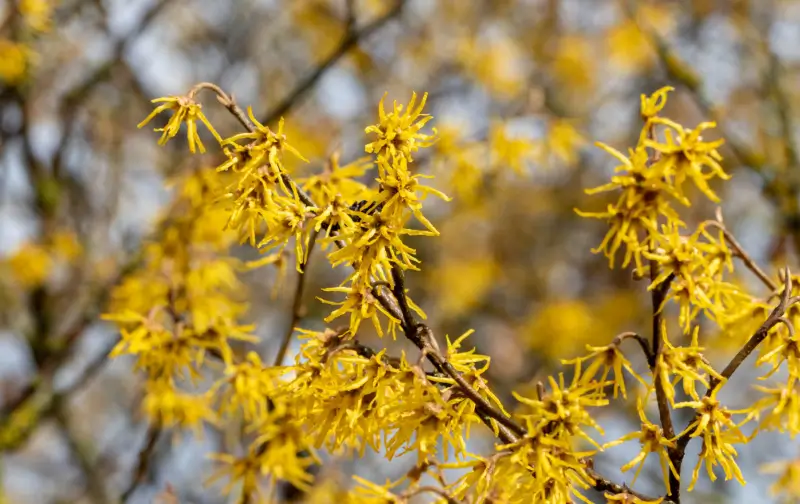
467 282
498 64
787 485
14 61
30 265
168 407
66 245
563 141
573 63
37 13
247 389
510 152
629 48
280 452
572 319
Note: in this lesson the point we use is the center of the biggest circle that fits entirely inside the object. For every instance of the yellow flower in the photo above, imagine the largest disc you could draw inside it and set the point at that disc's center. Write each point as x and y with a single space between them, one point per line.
510 152
788 483
399 131
652 440
14 61
683 363
609 357
186 110
714 425
37 13
361 305
167 407
31 265
653 104
684 155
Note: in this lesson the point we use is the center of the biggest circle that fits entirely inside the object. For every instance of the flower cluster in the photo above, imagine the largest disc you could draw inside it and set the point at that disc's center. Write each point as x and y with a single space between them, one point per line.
180 310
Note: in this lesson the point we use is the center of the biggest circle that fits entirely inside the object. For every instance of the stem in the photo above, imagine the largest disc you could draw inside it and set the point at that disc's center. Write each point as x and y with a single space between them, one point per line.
297 304
741 254
642 343
658 295
145 457
351 39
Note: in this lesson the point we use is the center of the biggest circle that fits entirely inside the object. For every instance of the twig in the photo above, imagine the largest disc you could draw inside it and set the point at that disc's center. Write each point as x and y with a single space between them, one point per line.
351 38
648 354
658 295
94 483
741 254
143 463
297 304
773 319
434 490
227 101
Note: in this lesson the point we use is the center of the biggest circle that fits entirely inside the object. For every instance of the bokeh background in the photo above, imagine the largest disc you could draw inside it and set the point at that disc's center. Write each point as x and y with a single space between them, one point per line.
519 89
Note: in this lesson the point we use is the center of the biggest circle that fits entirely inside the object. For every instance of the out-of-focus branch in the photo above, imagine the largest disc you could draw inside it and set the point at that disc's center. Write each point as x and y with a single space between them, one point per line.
351 38
143 462
94 481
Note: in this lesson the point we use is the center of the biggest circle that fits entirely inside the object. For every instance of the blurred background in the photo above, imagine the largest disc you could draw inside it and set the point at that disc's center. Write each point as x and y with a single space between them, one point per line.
519 91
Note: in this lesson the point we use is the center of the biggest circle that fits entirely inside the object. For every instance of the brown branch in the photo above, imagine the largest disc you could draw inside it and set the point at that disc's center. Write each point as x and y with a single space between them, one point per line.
143 462
741 254
94 482
773 319
350 40
297 304
227 101
648 354
658 295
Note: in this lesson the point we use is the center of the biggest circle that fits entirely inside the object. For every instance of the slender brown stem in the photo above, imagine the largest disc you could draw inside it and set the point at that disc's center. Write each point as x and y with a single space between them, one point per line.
94 481
297 303
143 462
658 295
430 489
741 254
773 319
648 354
